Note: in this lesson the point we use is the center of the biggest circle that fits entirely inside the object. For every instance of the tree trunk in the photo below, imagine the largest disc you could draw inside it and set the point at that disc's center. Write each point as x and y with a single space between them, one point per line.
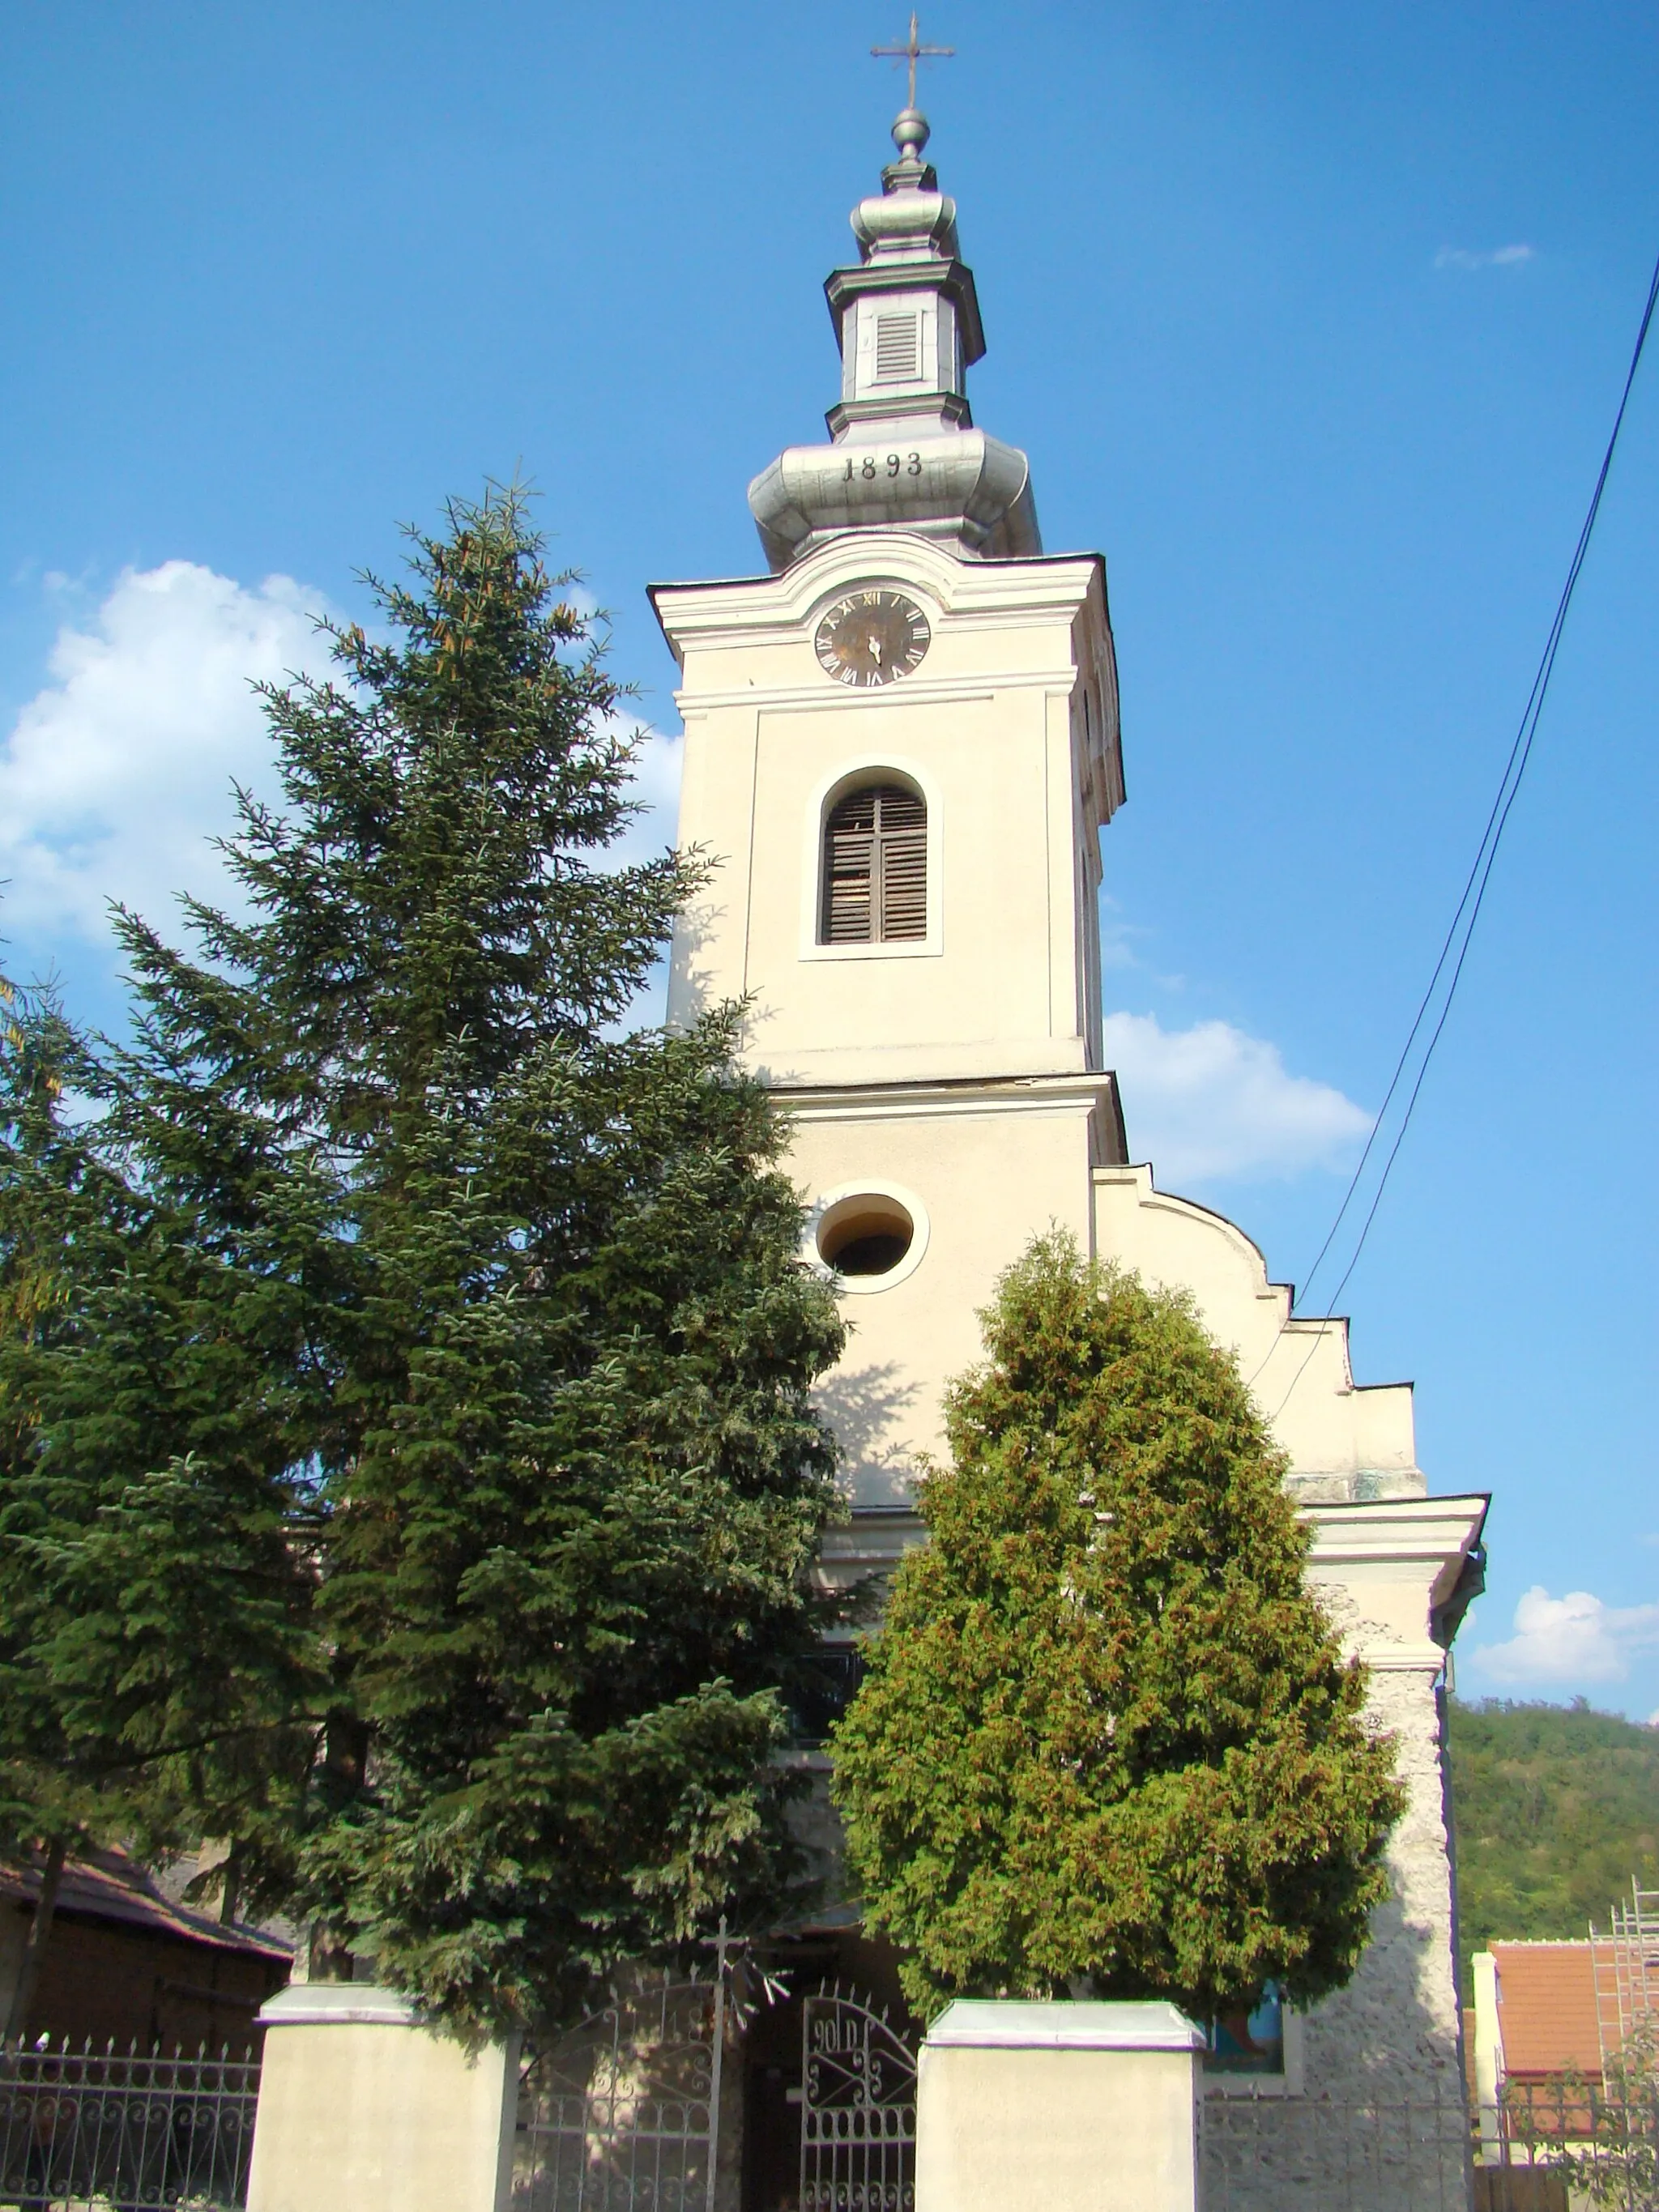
329 1956
34 1944
230 1893
345 1769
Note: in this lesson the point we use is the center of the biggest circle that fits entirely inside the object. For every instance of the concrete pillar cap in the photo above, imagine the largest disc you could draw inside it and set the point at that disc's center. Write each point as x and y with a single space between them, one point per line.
346 2004
1011 2024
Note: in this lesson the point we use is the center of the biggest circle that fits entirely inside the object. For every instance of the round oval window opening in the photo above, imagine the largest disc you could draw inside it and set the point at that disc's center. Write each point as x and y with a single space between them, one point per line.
864 1236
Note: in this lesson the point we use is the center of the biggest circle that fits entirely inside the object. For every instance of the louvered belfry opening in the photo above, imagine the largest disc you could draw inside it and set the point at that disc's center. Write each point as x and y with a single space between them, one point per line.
875 867
898 348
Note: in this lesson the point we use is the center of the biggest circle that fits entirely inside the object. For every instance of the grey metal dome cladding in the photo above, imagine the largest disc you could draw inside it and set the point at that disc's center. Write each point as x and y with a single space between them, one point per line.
903 451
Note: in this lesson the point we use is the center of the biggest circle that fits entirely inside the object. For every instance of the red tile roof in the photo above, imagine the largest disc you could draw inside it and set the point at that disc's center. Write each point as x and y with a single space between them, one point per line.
1547 2009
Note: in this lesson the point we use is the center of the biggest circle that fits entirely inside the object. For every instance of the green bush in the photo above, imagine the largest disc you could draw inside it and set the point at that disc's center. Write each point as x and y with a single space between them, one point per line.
1107 1743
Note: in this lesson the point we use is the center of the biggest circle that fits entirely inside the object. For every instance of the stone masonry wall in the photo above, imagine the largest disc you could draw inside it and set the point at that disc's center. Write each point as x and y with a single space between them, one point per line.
1394 2031
1379 2123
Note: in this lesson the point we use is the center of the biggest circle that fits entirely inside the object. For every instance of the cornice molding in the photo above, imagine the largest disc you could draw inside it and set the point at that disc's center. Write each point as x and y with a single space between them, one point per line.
823 697
753 610
924 1101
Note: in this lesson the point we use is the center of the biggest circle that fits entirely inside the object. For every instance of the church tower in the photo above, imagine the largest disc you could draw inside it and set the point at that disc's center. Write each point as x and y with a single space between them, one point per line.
901 748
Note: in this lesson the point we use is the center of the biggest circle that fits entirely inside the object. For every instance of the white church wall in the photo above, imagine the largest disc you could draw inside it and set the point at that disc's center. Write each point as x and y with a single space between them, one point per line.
1385 1571
983 979
991 1176
1343 1441
1394 2031
987 728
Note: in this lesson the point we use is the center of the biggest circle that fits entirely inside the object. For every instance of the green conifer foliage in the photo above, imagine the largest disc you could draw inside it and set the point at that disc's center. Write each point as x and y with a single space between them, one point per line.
1107 1742
502 1309
154 1610
156 1650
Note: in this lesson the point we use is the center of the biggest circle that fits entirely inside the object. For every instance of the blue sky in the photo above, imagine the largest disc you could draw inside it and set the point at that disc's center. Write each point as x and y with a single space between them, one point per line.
1312 317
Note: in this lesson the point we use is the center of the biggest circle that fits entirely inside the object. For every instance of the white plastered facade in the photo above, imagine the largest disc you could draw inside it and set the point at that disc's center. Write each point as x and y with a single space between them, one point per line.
964 1069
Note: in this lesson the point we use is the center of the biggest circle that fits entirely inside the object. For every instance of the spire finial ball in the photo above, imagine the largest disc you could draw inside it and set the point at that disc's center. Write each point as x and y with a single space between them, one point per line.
911 132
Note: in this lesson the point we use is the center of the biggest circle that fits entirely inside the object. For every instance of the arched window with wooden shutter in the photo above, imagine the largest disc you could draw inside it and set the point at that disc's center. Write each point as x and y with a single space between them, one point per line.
875 867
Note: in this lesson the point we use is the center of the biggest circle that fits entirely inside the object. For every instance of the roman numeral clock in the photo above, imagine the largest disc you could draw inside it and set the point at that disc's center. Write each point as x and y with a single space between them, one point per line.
872 637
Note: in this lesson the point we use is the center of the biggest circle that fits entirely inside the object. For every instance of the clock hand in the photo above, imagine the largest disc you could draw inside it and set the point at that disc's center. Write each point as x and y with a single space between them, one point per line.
872 647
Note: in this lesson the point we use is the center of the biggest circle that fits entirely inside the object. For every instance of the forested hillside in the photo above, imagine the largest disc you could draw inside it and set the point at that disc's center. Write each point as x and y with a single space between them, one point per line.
1556 1806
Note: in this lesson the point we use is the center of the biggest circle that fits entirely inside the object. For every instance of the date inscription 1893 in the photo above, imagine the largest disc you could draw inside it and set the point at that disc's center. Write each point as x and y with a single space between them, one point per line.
867 467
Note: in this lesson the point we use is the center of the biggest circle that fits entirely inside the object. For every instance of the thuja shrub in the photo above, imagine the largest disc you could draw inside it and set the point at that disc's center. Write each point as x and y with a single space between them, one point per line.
1108 1742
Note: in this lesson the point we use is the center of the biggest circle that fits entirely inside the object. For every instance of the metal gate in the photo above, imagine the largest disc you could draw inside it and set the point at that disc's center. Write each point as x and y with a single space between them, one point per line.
622 2114
858 2122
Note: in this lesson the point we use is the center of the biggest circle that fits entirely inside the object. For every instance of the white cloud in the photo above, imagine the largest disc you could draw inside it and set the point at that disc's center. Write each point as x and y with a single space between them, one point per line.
657 788
1210 1101
657 791
116 772
1571 1639
1121 940
1499 257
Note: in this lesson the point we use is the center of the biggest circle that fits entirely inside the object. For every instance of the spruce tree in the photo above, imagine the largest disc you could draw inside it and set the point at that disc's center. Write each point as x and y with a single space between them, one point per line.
1107 1742
154 1644
510 1301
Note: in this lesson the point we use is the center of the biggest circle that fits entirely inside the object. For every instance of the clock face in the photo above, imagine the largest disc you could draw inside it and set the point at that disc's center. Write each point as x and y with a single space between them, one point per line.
872 637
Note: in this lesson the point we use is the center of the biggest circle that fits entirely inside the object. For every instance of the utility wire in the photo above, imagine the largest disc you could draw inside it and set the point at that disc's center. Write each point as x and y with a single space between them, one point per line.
1460 931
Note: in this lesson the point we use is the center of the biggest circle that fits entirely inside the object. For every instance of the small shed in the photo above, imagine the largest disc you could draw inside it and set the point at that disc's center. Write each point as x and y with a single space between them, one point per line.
126 1963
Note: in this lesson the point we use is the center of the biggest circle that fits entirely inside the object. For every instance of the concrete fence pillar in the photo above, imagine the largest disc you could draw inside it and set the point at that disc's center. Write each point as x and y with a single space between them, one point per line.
1058 2108
364 2110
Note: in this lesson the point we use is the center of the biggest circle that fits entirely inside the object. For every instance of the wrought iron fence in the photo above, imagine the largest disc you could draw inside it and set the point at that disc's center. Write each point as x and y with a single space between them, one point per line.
1268 2153
131 2131
1555 2147
1554 2142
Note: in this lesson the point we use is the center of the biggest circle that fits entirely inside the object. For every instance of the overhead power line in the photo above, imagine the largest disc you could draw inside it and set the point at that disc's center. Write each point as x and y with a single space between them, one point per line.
1454 948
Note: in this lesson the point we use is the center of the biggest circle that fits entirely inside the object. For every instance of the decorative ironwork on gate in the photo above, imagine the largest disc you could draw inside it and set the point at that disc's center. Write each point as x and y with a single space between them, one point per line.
622 2113
858 2128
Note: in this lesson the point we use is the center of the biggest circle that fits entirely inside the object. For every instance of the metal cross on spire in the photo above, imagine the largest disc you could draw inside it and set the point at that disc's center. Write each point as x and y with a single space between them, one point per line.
912 51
